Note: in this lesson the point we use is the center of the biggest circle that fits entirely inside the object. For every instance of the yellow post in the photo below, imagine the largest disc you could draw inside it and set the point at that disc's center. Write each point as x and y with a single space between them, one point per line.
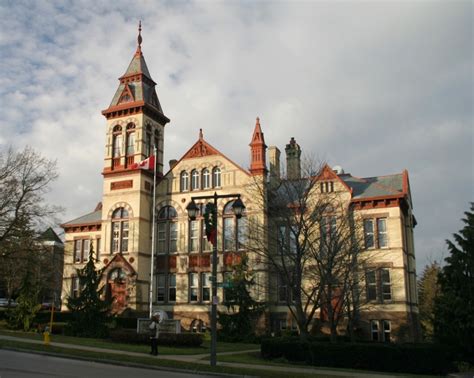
46 337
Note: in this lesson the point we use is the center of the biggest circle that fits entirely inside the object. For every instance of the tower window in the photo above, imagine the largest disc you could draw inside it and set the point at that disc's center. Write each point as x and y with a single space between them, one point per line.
120 229
130 139
117 142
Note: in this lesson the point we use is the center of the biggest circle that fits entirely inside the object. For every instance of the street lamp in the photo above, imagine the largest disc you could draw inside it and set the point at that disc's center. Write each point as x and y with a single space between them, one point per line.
238 208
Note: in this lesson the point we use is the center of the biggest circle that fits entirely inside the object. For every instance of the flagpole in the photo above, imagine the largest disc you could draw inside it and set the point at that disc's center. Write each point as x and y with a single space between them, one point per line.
152 265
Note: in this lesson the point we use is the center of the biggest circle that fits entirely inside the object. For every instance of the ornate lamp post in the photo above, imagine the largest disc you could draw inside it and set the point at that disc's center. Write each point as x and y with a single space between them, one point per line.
238 208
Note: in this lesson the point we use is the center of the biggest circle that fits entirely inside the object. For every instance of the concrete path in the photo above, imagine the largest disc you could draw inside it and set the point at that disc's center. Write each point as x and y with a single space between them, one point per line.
199 359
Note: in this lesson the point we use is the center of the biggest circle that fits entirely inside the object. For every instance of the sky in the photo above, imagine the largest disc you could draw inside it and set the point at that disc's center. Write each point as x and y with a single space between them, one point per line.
375 87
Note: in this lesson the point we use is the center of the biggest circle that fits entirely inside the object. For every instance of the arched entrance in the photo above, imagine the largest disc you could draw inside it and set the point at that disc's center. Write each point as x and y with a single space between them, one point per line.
117 284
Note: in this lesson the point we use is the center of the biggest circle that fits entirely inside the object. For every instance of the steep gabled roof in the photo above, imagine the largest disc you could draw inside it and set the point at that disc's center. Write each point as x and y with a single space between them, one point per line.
202 148
51 236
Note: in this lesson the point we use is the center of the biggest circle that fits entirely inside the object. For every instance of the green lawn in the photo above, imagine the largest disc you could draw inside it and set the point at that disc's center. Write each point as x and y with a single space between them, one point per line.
100 343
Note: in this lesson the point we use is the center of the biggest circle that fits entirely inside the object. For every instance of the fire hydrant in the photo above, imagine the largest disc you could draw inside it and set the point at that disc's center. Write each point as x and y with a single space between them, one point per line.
46 336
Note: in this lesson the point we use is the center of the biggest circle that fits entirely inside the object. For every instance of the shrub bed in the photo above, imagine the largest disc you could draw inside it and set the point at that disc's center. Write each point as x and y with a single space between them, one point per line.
170 339
400 358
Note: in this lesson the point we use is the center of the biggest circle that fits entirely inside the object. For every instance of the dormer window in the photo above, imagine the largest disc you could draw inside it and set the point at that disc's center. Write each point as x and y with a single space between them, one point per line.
125 98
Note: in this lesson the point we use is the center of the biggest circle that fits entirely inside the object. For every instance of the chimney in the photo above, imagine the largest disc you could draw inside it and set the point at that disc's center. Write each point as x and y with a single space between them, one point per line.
172 163
293 161
274 162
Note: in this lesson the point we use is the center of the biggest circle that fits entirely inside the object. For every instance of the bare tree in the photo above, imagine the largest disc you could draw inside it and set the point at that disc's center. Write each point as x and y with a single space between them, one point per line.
25 177
311 241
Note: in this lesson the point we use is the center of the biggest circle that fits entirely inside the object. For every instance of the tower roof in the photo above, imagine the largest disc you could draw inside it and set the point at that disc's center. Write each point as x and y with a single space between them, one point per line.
136 88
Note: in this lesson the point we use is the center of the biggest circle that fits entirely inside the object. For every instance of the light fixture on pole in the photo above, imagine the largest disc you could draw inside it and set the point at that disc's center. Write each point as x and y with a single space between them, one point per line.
238 209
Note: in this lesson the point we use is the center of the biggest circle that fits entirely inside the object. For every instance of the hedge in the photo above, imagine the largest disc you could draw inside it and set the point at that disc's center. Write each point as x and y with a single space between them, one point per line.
170 339
400 358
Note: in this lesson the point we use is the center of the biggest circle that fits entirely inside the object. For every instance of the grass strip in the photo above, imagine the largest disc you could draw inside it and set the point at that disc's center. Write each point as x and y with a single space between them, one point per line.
146 361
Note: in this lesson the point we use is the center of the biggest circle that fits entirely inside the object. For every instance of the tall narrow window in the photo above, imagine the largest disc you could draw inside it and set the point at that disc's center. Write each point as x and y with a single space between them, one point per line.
160 287
371 285
172 287
386 285
369 233
387 330
374 328
206 245
75 286
148 141
194 180
282 240
216 177
119 230
85 249
130 139
97 249
157 139
117 141
193 287
193 236
235 230
206 179
206 287
382 232
184 181
167 230
78 251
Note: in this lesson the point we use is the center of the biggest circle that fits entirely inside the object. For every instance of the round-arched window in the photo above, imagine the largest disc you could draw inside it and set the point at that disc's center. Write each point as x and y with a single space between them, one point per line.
120 228
167 238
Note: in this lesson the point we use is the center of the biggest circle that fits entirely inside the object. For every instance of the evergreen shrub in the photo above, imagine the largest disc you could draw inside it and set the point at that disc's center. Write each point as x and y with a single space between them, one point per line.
400 358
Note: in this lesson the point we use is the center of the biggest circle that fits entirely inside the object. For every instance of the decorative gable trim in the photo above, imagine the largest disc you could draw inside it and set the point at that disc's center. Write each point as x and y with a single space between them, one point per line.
328 174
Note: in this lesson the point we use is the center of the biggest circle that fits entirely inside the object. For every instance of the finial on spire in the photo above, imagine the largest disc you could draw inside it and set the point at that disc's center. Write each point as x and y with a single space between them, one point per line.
200 134
139 39
258 120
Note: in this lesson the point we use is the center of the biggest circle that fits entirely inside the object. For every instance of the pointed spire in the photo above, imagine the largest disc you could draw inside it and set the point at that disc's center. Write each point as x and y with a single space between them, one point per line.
258 151
139 39
201 135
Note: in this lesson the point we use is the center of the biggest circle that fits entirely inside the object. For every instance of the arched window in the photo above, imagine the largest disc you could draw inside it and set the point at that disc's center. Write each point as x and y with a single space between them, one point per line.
148 149
157 139
130 139
119 231
235 229
194 180
184 181
206 179
216 177
117 141
167 230
118 274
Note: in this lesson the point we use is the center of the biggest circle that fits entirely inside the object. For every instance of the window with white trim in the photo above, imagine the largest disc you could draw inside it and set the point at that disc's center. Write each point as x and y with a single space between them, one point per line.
374 330
381 330
193 287
184 181
167 230
81 250
195 180
379 285
120 228
206 287
216 177
160 287
235 229
172 287
117 141
194 236
206 179
375 233
75 286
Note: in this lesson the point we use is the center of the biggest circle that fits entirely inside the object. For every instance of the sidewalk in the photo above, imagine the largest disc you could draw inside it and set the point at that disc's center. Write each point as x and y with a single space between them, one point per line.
198 359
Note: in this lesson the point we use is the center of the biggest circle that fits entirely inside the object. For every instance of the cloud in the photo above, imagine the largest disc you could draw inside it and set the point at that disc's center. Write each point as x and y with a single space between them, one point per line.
374 87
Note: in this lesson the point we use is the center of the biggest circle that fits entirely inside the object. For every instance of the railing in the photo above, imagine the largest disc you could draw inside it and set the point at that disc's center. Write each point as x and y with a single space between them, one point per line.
130 160
115 162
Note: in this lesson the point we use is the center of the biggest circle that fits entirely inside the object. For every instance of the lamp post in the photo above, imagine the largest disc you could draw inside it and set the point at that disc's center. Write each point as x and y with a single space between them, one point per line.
238 208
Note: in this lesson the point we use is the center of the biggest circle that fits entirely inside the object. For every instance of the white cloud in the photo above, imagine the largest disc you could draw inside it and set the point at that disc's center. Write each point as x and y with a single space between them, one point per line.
375 87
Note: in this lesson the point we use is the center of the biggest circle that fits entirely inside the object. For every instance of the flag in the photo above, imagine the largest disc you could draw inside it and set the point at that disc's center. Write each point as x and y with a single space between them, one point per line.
148 163
210 220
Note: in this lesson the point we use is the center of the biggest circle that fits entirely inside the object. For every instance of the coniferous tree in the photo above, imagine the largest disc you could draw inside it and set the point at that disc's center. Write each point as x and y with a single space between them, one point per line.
428 290
89 311
239 323
454 309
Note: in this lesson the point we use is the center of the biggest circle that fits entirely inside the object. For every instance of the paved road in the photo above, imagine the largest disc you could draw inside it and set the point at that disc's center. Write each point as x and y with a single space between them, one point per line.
25 365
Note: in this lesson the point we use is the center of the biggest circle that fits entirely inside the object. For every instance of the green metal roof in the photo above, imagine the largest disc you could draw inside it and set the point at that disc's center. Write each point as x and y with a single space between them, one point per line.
94 217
